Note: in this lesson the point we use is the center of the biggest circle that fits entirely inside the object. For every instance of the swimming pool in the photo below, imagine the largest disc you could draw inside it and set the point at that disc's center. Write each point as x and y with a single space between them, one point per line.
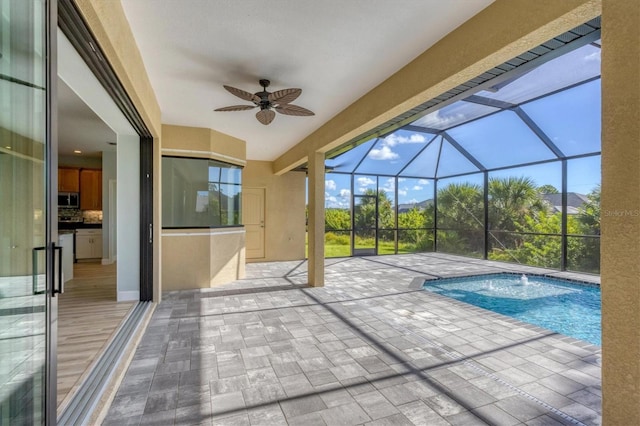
562 306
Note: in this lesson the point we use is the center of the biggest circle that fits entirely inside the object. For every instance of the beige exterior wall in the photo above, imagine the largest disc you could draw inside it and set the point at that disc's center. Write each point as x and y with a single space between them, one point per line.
316 219
620 220
284 210
202 258
194 258
202 143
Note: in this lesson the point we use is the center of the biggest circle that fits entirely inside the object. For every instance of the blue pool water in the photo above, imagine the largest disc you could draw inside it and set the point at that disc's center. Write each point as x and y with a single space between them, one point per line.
558 305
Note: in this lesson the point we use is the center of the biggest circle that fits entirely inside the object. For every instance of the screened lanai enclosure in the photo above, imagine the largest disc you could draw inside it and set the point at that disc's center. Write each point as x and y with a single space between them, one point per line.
509 173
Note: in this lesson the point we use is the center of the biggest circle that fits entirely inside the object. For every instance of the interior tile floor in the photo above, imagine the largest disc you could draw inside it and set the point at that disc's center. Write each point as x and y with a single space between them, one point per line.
368 348
88 317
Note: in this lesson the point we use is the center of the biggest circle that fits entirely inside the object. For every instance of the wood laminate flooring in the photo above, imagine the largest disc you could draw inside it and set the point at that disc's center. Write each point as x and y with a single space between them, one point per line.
88 316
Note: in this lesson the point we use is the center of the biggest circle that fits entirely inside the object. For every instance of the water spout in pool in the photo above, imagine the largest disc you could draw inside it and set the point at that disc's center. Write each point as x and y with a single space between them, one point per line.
524 280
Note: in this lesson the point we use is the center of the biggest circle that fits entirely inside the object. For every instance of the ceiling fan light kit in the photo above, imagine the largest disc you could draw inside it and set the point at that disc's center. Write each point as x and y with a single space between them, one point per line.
268 102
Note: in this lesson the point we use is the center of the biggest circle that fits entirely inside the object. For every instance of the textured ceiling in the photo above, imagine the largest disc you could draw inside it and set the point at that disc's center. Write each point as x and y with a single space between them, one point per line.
334 50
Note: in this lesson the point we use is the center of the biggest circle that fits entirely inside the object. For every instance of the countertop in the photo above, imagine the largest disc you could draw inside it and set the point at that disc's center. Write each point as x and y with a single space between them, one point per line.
78 225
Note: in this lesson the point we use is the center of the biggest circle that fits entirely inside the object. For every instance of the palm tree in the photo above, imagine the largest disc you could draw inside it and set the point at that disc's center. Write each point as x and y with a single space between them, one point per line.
461 219
511 199
461 206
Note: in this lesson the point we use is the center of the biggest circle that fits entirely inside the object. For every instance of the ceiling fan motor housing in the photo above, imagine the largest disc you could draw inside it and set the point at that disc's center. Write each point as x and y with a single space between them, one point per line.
264 95
264 83
278 100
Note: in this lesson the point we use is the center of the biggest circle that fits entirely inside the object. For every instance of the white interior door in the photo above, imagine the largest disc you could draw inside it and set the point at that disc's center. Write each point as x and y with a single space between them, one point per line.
253 219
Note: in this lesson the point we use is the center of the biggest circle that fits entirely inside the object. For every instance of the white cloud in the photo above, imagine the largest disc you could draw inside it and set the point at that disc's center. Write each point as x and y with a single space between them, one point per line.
413 201
442 119
365 181
389 185
345 193
394 139
423 181
401 179
595 56
402 192
417 188
330 185
333 202
384 153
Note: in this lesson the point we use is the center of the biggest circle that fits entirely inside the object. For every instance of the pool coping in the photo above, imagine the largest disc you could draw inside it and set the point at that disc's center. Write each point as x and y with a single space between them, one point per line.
529 274
418 284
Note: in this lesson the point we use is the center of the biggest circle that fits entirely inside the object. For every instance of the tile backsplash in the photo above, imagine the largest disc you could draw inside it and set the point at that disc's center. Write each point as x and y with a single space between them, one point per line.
70 214
92 216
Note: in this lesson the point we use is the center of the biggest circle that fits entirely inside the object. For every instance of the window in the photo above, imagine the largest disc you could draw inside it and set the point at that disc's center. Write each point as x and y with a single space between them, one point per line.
199 193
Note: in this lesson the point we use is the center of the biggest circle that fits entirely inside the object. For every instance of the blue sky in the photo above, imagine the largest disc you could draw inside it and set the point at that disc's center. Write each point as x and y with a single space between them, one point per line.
570 118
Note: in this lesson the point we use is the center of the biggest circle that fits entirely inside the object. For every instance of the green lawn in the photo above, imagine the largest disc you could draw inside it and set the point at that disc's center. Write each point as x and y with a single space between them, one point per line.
340 247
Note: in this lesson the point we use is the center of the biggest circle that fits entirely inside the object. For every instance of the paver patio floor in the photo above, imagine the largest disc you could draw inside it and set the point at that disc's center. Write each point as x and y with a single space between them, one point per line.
368 348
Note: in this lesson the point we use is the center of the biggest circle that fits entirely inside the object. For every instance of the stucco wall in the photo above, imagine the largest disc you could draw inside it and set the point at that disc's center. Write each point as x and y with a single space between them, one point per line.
205 258
202 258
202 143
284 210
620 212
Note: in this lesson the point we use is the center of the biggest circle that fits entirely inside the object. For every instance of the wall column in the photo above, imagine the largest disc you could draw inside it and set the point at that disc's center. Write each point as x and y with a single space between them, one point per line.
620 245
316 219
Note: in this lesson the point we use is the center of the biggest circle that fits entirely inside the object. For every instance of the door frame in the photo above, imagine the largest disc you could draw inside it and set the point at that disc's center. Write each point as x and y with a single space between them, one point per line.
368 251
264 219
76 29
51 184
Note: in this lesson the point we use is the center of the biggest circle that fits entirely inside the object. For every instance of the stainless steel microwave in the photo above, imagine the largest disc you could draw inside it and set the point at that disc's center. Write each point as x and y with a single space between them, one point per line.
68 199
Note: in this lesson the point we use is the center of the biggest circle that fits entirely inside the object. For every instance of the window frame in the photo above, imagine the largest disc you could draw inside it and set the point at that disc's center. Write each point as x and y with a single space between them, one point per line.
219 183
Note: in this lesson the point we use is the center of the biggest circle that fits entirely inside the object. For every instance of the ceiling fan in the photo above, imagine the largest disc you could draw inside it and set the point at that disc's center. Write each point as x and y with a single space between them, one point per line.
268 101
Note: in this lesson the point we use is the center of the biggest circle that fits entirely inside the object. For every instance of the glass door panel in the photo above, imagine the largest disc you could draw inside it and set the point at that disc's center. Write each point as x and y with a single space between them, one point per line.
365 213
23 212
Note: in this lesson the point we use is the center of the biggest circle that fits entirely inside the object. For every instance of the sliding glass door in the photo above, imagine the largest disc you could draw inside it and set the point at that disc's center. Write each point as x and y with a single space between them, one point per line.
27 257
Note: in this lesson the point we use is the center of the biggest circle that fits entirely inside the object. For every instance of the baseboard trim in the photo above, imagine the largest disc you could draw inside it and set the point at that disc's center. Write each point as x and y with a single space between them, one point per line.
107 261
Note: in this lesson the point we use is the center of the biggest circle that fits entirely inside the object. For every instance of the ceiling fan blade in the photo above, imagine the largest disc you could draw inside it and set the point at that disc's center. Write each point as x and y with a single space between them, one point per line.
236 108
296 110
242 94
265 116
284 96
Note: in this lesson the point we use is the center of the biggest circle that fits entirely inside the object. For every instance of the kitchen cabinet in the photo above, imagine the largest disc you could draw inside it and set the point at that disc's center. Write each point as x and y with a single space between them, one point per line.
68 179
88 243
90 189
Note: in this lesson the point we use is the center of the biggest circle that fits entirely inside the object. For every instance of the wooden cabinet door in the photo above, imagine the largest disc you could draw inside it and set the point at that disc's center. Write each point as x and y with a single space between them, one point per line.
90 189
68 180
